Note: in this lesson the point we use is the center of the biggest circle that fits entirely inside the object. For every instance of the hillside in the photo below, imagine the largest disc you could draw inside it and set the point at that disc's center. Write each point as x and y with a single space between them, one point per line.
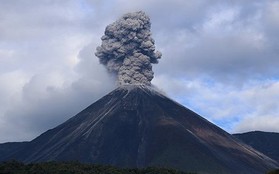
265 142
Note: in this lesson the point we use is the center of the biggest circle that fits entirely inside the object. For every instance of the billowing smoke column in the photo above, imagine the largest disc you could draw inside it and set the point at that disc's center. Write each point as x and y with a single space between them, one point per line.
128 50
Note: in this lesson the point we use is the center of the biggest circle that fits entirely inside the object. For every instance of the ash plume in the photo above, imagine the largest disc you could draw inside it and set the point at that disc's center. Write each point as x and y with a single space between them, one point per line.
128 50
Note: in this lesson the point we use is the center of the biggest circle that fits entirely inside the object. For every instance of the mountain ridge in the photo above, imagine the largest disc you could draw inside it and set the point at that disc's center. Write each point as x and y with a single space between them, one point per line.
265 142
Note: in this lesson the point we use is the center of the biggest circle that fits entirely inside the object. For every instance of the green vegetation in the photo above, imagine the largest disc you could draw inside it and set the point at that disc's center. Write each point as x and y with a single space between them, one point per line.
14 167
274 172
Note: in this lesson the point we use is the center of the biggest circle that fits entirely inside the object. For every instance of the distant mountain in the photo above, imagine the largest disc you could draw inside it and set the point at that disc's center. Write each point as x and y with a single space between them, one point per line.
7 149
136 127
265 142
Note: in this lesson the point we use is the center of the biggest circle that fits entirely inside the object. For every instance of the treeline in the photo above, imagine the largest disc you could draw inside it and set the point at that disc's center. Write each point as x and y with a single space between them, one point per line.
274 172
15 167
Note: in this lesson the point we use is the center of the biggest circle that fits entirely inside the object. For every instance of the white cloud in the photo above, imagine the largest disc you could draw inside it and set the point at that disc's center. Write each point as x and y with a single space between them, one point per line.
263 123
228 106
48 99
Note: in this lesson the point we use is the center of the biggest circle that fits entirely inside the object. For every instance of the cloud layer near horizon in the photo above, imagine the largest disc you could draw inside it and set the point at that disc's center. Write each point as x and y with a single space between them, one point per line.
220 59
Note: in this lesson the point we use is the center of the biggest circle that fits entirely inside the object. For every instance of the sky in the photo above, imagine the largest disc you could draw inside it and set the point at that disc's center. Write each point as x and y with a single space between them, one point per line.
220 58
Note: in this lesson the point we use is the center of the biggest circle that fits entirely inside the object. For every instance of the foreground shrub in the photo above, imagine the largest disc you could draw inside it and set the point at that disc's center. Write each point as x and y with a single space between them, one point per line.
15 167
274 172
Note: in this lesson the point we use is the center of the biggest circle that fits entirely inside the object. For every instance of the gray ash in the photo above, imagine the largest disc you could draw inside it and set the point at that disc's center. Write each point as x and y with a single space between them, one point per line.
128 50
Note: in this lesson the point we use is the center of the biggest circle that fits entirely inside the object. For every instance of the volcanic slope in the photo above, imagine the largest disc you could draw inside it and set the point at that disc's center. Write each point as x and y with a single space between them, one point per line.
136 126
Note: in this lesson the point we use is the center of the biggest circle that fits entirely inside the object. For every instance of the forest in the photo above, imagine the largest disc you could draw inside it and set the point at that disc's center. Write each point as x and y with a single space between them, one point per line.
15 167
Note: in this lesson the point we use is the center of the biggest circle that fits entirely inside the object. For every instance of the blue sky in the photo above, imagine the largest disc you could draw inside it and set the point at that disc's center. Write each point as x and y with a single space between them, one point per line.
220 59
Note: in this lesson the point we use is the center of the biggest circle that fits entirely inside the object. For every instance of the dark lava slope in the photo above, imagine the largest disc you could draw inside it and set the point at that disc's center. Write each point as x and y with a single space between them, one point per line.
135 126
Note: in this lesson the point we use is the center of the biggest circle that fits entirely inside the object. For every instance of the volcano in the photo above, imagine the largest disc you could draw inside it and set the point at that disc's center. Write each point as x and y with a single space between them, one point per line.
137 126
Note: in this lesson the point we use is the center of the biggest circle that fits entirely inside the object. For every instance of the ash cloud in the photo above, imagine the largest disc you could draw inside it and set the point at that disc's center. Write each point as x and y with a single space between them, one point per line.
128 50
